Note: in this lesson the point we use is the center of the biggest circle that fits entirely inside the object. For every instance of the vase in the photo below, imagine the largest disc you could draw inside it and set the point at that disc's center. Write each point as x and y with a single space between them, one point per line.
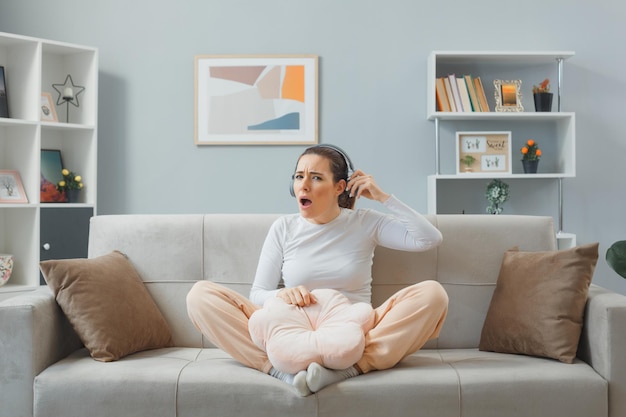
530 167
6 267
72 196
543 102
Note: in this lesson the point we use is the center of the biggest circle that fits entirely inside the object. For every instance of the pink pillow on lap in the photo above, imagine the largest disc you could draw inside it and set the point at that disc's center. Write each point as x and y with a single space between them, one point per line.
330 332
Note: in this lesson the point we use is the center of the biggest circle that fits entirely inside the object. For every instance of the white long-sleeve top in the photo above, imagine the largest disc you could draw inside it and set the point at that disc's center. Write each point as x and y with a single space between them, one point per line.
337 255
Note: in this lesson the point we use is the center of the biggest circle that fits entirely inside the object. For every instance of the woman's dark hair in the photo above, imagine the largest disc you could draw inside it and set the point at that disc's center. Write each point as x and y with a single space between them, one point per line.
339 168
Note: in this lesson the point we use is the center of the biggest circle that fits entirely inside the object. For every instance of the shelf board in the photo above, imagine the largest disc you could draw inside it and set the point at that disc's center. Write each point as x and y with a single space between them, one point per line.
535 116
10 39
17 205
66 126
565 240
4 121
63 48
502 57
496 175
66 205
48 125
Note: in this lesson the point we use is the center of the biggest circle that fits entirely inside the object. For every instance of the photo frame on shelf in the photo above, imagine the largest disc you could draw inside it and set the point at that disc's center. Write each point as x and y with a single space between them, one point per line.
256 99
508 95
51 167
483 153
48 111
4 102
11 188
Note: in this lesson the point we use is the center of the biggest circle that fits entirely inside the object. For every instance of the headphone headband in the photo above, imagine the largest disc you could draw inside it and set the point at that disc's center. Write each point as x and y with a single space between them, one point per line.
342 153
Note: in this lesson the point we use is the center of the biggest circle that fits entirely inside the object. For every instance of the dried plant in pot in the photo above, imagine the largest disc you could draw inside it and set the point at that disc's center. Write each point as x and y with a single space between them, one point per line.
543 96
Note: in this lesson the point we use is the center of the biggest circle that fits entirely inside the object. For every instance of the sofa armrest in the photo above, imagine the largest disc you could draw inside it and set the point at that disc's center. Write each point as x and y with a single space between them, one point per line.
602 343
35 334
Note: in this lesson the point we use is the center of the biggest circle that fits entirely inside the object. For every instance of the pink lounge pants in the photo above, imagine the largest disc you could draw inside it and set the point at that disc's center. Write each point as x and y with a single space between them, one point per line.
402 324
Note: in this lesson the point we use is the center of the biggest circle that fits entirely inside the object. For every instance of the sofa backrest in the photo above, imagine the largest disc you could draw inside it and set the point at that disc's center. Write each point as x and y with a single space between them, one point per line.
172 252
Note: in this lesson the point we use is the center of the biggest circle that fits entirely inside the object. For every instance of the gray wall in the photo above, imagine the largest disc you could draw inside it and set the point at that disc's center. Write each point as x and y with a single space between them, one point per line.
372 94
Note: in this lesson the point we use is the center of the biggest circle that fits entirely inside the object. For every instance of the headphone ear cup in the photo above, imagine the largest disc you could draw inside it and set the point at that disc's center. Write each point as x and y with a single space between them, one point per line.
291 191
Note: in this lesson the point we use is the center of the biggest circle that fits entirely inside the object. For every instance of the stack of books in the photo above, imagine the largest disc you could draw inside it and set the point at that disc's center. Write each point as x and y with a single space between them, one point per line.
460 94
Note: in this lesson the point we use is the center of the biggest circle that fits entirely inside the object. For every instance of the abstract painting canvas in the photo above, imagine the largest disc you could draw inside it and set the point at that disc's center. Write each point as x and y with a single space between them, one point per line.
51 167
248 100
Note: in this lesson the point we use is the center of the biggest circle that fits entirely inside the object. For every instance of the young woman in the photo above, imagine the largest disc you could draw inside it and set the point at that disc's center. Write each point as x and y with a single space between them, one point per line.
328 244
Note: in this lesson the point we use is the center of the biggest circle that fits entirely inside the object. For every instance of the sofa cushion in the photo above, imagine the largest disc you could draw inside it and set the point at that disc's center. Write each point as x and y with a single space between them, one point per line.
108 305
330 332
200 382
538 305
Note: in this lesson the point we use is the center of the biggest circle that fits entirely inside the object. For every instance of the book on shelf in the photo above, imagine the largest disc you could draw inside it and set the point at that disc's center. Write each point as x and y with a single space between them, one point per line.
465 99
480 92
446 83
442 96
454 86
472 93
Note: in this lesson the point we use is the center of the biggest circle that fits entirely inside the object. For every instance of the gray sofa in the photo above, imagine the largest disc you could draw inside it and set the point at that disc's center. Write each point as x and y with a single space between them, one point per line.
46 372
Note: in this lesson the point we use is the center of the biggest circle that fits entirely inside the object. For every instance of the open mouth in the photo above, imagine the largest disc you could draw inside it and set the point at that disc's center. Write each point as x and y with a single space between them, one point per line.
305 202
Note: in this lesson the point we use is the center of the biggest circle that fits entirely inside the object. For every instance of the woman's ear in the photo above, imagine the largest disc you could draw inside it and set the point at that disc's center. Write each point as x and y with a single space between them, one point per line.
340 187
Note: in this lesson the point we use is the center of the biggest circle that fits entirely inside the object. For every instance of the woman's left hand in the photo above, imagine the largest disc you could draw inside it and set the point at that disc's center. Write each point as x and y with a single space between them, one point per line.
362 184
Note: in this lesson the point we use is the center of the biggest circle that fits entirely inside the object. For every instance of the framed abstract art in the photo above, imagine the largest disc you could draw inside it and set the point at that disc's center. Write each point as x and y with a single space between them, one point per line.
256 99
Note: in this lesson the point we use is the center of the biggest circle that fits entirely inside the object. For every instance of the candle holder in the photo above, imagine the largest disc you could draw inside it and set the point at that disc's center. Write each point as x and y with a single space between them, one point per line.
68 94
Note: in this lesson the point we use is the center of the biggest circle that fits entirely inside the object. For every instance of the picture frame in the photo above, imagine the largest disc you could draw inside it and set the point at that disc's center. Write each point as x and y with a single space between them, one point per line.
489 151
51 166
256 99
11 188
508 95
4 102
48 111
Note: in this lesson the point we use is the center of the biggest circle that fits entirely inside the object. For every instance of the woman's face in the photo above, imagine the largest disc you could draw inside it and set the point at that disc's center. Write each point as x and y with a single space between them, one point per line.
316 192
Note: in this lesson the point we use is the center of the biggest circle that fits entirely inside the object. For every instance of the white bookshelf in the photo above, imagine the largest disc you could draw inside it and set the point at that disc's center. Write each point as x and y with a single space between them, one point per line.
31 67
554 131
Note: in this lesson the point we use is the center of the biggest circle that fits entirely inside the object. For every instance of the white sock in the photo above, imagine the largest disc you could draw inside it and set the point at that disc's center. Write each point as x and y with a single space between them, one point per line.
298 381
318 377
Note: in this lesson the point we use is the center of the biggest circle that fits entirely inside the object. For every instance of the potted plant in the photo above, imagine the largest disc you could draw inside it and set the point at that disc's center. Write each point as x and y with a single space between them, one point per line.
542 96
70 185
497 193
530 156
616 257
468 160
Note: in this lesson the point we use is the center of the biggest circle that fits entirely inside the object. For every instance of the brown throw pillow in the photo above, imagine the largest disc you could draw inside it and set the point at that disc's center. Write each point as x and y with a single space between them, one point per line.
108 305
538 305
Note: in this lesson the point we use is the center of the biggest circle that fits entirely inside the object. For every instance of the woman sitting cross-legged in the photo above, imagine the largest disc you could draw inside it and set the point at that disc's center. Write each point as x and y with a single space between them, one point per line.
328 245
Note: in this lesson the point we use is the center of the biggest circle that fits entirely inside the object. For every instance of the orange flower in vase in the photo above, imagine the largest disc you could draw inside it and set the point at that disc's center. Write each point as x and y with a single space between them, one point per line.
530 156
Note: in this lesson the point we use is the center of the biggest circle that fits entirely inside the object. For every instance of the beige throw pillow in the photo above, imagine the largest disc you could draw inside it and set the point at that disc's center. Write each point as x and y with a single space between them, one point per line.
108 305
538 305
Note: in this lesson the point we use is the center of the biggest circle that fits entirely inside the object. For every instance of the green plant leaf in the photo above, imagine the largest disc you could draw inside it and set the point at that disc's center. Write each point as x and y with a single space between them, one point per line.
616 257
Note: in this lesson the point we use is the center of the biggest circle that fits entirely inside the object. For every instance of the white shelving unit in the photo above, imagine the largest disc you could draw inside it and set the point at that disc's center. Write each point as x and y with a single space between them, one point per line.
554 131
31 67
